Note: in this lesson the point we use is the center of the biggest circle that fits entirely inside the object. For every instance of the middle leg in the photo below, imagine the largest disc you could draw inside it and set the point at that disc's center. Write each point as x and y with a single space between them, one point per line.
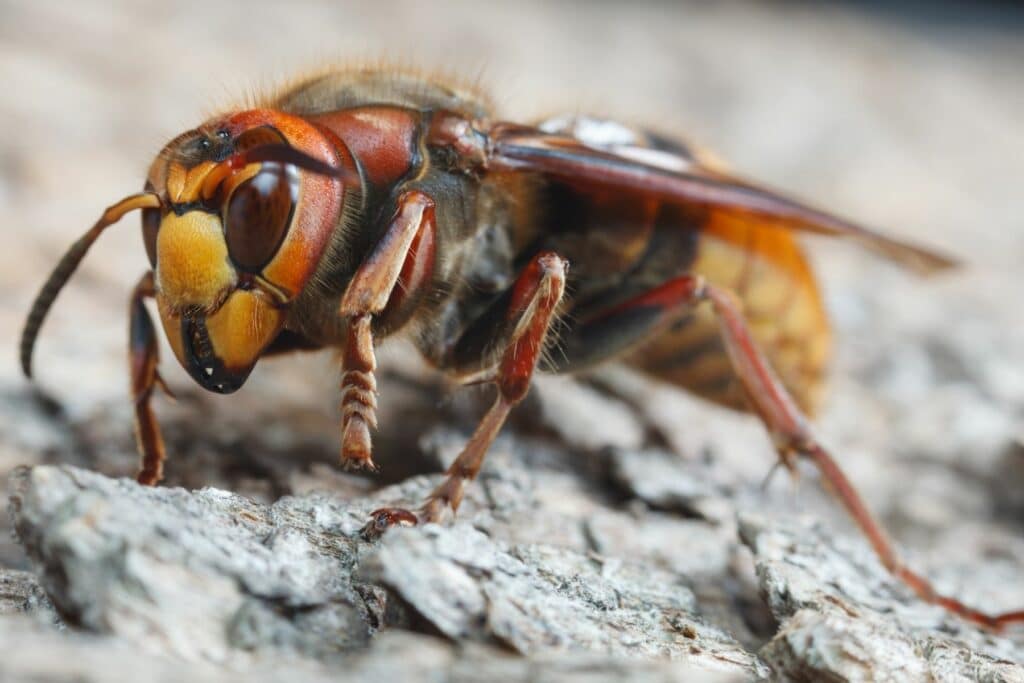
534 302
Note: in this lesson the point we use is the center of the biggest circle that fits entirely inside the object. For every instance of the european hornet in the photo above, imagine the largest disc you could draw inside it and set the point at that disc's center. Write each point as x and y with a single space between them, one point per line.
358 205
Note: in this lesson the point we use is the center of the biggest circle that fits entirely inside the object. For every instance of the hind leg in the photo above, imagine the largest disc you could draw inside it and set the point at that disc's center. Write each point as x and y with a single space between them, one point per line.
787 425
792 436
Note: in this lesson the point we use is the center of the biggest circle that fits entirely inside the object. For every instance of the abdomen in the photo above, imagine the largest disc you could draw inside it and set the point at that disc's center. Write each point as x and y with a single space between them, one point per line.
621 246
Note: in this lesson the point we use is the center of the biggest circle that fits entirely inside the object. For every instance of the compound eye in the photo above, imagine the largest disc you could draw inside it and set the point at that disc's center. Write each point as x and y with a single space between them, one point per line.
257 215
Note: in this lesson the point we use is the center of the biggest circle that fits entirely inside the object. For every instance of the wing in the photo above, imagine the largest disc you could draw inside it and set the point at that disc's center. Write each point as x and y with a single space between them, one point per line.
679 177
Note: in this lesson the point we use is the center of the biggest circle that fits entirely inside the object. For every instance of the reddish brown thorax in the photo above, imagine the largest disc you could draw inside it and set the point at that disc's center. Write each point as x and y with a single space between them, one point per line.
384 139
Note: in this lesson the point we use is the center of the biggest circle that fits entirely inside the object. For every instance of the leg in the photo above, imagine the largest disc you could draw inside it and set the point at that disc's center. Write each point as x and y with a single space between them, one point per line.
535 298
789 428
405 254
792 435
144 357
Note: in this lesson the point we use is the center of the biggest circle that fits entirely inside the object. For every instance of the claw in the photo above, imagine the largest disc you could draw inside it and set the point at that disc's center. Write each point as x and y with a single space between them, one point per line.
384 518
787 462
359 465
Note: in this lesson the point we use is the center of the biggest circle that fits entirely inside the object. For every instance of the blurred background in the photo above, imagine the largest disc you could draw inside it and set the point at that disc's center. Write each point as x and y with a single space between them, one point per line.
906 116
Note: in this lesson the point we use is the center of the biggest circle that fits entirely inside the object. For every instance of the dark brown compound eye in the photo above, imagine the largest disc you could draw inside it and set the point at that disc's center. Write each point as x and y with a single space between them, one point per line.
258 213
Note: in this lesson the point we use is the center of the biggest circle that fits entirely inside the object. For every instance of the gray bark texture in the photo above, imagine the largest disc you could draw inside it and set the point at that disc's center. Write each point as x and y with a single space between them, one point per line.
620 529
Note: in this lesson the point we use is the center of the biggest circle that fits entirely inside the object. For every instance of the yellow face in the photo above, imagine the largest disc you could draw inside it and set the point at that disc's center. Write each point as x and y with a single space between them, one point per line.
233 244
218 310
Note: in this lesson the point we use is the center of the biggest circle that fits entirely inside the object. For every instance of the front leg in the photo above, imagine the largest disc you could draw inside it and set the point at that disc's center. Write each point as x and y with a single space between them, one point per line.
143 356
534 302
400 263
